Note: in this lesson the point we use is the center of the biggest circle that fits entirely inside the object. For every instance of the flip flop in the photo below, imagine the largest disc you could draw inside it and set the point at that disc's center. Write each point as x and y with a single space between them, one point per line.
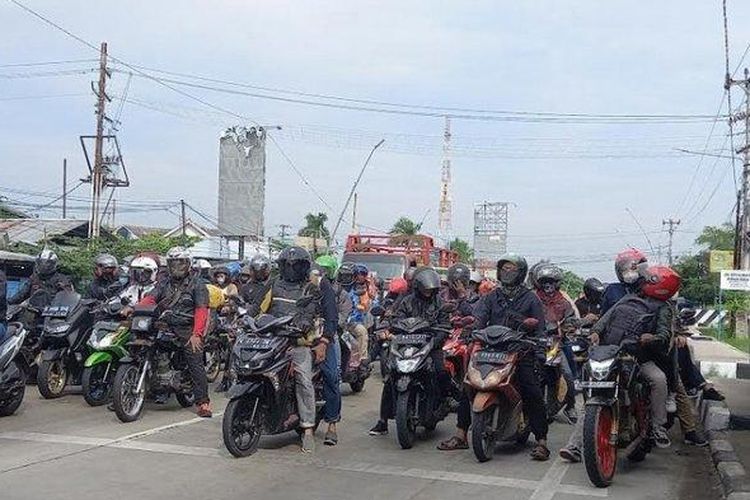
454 443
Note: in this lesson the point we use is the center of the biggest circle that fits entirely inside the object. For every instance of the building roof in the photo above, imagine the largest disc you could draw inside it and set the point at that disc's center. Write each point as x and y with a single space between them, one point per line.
140 231
32 231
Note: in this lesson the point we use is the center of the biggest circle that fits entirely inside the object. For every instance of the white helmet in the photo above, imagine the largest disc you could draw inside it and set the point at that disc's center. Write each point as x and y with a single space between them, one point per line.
475 277
144 270
179 262
201 264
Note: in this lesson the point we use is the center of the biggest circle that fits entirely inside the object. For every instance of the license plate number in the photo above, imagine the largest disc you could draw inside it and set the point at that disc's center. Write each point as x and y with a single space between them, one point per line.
491 357
593 384
55 311
256 343
412 339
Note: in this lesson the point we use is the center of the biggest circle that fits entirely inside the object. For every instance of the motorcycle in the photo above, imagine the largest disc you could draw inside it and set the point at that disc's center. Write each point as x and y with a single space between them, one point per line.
217 347
456 351
154 367
107 342
14 361
28 315
262 400
617 402
417 394
352 371
497 408
68 321
555 385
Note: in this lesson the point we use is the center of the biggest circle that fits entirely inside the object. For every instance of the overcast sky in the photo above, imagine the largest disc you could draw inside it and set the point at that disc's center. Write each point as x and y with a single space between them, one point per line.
570 182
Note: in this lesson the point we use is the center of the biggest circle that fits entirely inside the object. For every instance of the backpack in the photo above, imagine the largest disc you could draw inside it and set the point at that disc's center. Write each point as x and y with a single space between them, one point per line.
631 316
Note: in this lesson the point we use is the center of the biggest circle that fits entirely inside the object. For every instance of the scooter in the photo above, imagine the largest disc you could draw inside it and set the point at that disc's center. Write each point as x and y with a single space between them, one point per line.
14 361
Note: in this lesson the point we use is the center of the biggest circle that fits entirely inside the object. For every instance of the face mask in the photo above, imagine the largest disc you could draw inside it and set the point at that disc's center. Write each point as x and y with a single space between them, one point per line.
630 277
220 280
508 278
549 288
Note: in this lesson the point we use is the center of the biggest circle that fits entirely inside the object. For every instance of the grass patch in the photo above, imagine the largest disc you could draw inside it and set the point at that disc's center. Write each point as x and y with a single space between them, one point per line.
741 343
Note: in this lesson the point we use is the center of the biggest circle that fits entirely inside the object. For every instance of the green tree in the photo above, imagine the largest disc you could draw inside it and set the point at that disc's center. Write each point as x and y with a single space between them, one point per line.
315 226
698 284
406 226
572 284
465 252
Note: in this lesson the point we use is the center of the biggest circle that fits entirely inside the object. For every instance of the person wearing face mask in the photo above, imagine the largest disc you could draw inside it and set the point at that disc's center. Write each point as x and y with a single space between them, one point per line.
220 279
106 283
629 278
589 304
509 305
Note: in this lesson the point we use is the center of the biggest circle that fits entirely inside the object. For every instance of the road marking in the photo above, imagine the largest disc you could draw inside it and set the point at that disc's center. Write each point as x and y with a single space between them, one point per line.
544 489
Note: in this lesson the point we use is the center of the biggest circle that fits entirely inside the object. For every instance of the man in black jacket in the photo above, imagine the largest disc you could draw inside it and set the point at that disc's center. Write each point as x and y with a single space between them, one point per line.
45 278
106 283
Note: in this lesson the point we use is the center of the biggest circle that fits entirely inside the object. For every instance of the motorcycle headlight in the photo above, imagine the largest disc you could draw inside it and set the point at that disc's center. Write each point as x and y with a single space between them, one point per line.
102 342
600 369
59 328
407 365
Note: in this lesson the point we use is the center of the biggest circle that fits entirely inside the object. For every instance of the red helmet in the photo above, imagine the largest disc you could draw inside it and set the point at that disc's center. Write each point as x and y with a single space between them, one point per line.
626 265
661 282
398 286
486 286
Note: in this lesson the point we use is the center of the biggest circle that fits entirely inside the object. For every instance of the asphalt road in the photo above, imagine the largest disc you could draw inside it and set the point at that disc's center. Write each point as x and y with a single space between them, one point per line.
63 449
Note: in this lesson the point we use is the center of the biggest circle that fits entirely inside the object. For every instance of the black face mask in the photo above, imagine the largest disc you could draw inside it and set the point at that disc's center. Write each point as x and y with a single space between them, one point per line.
508 278
549 288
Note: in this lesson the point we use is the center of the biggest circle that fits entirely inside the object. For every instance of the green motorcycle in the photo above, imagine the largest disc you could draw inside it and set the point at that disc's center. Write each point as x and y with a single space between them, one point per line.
107 343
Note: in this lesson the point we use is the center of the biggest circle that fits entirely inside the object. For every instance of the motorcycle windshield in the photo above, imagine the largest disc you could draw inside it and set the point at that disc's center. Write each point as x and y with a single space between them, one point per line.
40 299
62 305
411 325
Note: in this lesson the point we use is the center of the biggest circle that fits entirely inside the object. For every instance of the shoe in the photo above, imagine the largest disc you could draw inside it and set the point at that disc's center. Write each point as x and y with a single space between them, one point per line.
204 410
308 443
331 438
671 403
571 415
380 429
694 438
540 453
571 454
711 394
660 437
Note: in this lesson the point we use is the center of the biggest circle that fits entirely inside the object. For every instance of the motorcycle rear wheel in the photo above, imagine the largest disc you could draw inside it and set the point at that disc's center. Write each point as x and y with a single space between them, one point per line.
241 436
599 454
9 406
483 437
406 429
212 363
126 399
51 378
186 399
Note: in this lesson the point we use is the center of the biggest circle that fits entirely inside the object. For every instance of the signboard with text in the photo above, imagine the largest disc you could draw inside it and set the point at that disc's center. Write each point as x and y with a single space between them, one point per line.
735 280
720 260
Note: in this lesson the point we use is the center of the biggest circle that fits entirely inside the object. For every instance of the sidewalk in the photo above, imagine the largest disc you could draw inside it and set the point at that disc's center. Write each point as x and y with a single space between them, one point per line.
719 360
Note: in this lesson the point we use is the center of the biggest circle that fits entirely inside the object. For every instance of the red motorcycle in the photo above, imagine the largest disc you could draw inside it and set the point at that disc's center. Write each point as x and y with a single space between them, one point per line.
457 350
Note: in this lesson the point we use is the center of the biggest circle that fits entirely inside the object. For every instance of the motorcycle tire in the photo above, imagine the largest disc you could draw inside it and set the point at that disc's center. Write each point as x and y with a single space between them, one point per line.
212 364
599 455
639 454
483 437
186 399
9 406
406 429
127 402
357 385
236 414
51 378
96 390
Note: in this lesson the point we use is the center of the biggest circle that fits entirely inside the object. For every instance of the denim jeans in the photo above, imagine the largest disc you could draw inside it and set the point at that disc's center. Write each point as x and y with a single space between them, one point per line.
3 331
331 371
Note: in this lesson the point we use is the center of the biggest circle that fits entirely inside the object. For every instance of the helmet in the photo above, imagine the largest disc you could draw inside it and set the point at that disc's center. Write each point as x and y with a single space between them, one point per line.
593 289
361 270
475 277
143 270
261 267
626 265
459 273
217 278
660 282
512 278
426 282
548 278
409 274
345 275
533 270
486 286
329 264
201 264
105 264
294 264
398 286
179 262
46 262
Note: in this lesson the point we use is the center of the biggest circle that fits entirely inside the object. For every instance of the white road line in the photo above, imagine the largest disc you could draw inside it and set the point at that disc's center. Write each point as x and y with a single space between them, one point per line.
542 490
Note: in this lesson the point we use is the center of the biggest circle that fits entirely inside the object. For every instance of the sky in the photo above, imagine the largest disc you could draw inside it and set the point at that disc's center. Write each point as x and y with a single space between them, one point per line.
581 190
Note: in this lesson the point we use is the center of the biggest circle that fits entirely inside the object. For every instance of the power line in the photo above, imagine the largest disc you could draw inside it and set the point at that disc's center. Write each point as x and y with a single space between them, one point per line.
47 63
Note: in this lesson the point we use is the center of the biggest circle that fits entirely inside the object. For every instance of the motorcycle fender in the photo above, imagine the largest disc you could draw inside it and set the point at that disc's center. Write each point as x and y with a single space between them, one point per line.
600 401
241 388
52 354
126 360
483 400
403 383
97 358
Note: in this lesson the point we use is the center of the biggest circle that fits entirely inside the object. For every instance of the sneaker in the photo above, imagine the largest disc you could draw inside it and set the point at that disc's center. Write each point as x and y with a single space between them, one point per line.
331 438
660 437
571 415
204 410
380 429
308 443
571 454
671 403
711 394
694 438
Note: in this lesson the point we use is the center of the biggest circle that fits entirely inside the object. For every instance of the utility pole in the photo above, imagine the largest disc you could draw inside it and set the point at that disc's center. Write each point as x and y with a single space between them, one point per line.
114 208
672 227
445 214
182 217
743 116
354 214
97 174
65 189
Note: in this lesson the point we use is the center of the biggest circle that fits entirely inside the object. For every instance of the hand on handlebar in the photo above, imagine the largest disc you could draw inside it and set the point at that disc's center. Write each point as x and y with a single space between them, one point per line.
594 338
126 311
647 338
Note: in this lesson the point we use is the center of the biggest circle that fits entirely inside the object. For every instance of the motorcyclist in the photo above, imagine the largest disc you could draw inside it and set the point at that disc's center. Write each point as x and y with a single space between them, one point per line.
509 305
143 272
629 278
589 304
182 300
203 268
106 283
45 278
255 275
422 302
220 278
475 279
561 315
361 295
281 299
458 289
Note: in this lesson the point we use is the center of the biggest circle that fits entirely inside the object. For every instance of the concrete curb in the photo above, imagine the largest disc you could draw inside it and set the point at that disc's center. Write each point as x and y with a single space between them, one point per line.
724 369
735 482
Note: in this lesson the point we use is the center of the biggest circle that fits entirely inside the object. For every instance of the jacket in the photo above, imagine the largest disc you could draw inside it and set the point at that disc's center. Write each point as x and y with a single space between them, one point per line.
183 304
499 308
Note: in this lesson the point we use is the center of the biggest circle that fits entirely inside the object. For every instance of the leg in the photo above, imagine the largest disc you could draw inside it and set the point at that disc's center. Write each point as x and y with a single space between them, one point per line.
441 374
360 331
304 389
690 374
331 370
534 408
684 410
460 440
657 381
198 374
570 396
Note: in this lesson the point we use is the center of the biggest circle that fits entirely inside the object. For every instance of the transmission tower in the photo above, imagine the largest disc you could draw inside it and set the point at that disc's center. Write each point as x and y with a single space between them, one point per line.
490 233
446 209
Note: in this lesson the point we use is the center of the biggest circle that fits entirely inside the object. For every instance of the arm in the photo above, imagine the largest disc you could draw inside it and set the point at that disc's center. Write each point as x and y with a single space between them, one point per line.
481 312
537 312
200 314
329 309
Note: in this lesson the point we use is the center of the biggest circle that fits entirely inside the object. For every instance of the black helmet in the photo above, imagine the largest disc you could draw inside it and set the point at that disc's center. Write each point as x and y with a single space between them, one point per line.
294 264
533 270
46 263
459 273
512 278
345 274
548 278
593 289
220 270
261 267
426 281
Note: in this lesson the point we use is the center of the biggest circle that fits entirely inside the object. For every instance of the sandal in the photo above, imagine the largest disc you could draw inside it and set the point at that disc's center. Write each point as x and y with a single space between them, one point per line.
454 443
540 453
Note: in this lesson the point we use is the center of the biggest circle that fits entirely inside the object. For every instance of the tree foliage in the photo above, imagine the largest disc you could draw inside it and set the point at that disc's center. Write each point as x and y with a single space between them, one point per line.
315 226
698 284
406 226
464 250
572 284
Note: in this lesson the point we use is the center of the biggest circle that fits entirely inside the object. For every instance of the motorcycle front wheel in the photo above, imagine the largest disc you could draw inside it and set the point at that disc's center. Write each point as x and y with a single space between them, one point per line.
10 405
241 429
599 453
51 378
96 388
126 398
406 428
212 364
483 436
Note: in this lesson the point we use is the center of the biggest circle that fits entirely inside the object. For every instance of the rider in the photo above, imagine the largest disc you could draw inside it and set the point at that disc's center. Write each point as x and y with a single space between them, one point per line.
361 295
183 302
422 302
203 268
589 304
45 278
106 283
143 272
475 279
458 289
256 275
627 265
280 300
560 313
509 305
220 278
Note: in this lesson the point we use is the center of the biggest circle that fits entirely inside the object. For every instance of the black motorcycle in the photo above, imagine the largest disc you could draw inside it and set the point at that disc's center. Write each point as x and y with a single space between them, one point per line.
68 322
217 347
14 361
155 367
417 395
262 400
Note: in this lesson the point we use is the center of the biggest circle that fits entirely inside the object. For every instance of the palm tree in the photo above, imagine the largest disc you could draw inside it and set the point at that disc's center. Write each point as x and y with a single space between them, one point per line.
406 226
315 228
462 248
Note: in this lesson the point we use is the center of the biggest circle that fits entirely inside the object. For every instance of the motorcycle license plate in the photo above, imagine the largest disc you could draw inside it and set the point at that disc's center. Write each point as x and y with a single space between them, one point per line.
593 384
258 343
56 311
412 339
491 357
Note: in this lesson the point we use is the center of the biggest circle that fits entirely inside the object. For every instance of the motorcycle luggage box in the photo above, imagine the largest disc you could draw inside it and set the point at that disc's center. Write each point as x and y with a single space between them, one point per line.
603 352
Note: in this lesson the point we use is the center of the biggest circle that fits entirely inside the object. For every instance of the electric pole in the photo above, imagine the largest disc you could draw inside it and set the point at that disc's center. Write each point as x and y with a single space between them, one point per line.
744 150
671 228
97 174
182 217
65 189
